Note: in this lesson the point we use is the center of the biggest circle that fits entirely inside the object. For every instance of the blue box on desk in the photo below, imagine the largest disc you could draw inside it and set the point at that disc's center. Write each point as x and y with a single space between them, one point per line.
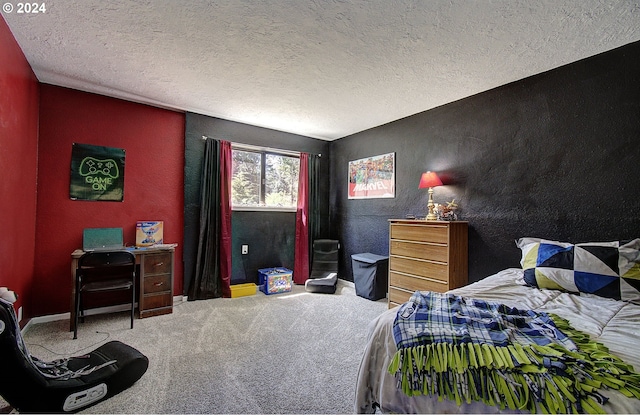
275 280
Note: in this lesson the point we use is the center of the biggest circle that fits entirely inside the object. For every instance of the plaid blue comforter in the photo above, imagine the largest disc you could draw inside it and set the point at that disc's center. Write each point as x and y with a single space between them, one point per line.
466 350
430 317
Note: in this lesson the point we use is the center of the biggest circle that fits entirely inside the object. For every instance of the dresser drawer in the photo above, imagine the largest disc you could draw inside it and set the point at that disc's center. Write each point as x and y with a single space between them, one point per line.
419 250
413 283
433 270
422 233
152 301
157 264
157 283
398 296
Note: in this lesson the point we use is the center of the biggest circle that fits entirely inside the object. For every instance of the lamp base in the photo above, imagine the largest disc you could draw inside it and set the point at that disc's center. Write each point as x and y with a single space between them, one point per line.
430 206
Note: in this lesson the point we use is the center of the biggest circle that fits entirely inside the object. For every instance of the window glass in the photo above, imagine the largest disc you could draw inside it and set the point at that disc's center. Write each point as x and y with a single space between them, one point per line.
264 180
281 180
245 182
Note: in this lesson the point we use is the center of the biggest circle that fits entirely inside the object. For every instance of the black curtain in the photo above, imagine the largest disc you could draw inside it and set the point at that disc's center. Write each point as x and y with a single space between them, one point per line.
205 283
314 202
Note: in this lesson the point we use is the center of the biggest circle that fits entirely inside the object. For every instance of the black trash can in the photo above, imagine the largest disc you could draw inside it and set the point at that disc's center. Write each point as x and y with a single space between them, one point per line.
370 275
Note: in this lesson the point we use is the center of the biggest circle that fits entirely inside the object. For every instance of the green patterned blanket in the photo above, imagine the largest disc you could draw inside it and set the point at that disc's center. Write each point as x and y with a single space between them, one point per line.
468 350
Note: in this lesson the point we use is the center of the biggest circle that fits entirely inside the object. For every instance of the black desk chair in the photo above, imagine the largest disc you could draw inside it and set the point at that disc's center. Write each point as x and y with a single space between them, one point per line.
102 271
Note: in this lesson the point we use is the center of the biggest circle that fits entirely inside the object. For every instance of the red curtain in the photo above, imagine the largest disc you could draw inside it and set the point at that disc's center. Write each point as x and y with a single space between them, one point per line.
225 218
301 258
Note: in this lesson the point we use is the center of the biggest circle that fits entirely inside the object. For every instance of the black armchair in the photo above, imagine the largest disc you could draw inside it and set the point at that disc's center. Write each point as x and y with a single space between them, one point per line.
324 267
64 385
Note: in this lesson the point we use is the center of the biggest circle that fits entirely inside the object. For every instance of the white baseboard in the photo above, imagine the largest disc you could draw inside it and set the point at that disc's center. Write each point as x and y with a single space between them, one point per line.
90 312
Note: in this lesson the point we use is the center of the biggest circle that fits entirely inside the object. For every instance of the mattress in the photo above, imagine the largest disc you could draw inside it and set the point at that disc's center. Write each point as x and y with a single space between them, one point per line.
616 324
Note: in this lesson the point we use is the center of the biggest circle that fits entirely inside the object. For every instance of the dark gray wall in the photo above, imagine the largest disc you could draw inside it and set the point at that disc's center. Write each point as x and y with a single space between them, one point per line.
555 155
270 235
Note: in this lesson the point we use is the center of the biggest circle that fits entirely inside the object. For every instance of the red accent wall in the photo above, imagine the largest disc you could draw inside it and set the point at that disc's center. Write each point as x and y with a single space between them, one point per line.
18 166
153 140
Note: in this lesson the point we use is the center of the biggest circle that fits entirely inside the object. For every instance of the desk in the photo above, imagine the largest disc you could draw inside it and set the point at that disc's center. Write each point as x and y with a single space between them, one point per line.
155 295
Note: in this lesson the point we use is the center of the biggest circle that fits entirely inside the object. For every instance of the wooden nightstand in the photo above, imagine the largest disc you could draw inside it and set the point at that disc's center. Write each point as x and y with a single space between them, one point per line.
426 256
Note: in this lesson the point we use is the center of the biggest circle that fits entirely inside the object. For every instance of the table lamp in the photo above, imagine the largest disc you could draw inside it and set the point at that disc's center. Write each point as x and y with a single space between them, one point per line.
430 180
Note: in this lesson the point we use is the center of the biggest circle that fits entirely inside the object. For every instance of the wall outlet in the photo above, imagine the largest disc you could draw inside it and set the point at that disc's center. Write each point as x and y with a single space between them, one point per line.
245 249
20 314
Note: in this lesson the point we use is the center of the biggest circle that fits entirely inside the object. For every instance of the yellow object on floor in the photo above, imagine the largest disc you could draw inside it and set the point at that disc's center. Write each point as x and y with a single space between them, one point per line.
241 290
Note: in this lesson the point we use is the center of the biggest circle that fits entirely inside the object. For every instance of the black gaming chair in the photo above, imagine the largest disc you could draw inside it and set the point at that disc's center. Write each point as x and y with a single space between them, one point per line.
324 267
65 385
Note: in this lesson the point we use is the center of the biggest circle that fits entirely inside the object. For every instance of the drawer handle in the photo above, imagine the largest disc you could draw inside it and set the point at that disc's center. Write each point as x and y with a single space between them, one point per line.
158 284
159 264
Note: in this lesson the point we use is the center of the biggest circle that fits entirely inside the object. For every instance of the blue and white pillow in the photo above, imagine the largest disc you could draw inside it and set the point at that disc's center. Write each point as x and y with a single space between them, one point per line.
606 269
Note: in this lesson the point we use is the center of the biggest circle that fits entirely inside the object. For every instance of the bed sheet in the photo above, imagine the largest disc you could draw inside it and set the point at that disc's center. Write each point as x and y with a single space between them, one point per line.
616 324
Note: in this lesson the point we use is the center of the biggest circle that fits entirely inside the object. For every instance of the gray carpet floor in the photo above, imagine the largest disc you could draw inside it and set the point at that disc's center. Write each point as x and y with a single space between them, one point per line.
294 352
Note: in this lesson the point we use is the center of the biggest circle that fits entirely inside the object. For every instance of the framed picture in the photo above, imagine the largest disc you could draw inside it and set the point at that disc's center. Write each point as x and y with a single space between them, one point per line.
373 177
97 173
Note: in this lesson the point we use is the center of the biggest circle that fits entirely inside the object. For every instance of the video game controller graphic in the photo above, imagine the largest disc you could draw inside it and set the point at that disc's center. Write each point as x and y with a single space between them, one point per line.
91 165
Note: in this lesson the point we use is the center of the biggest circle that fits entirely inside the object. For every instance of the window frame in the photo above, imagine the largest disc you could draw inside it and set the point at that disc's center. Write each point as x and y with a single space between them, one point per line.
264 151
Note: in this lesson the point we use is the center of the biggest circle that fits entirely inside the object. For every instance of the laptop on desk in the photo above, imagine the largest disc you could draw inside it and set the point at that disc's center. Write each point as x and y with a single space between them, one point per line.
102 239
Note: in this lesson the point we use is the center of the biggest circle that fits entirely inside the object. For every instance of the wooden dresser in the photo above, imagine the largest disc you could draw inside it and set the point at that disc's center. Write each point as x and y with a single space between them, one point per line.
426 256
156 282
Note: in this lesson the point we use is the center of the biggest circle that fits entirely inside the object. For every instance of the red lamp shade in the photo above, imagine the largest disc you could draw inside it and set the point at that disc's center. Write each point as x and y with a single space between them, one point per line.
429 179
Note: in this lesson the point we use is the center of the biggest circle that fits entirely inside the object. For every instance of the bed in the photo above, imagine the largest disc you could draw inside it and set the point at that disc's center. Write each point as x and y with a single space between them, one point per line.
614 323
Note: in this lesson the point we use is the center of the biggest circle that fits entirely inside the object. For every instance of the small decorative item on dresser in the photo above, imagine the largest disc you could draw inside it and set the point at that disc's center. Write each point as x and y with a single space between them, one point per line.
430 180
447 211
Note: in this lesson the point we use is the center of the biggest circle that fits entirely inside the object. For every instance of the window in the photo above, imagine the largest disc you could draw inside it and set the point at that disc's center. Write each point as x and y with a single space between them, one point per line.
264 180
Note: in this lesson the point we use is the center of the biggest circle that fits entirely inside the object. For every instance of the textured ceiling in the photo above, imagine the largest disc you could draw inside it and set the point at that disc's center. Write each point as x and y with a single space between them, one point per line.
319 68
